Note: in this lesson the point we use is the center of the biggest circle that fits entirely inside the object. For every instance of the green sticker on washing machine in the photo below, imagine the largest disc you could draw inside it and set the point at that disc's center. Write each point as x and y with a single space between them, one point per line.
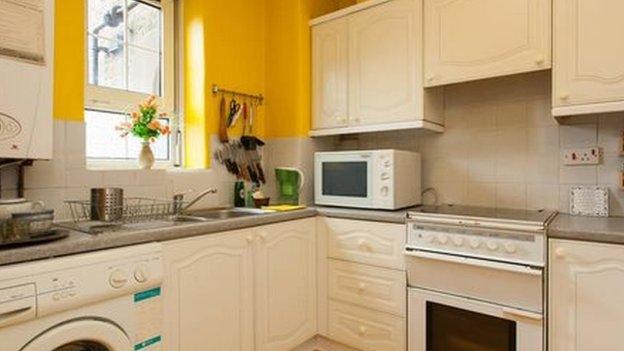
148 294
148 342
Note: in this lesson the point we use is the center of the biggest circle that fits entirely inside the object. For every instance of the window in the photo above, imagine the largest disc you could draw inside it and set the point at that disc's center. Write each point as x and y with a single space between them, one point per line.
130 55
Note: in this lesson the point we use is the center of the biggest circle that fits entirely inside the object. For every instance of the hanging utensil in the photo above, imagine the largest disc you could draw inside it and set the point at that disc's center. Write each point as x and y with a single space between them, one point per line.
250 141
223 137
235 111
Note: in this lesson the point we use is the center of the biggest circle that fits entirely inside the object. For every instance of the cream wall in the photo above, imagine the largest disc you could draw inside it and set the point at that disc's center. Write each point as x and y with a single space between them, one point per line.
501 147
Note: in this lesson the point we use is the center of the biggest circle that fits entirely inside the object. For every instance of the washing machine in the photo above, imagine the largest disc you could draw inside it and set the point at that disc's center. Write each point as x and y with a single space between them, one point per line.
107 300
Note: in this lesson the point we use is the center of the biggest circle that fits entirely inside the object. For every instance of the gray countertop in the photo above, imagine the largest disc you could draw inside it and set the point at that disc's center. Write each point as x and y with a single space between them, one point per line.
596 229
78 242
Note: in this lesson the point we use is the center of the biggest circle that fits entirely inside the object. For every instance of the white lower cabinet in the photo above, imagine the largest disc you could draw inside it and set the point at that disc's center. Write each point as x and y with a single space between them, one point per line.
245 290
362 284
366 329
285 273
586 296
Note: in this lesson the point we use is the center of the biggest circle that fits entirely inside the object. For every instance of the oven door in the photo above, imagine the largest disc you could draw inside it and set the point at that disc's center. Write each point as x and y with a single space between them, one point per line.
344 179
441 322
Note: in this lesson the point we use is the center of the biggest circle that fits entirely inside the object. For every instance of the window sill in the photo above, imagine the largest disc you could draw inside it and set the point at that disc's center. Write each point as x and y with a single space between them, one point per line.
115 165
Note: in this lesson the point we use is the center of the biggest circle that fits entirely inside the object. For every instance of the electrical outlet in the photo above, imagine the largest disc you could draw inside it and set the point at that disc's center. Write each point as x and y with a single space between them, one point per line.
585 156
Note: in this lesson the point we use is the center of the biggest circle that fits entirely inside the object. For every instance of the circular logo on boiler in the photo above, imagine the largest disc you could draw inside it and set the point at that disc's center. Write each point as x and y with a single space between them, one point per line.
9 127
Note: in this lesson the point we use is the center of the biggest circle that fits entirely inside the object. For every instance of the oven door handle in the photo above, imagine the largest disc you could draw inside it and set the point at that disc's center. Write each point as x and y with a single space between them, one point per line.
475 262
522 313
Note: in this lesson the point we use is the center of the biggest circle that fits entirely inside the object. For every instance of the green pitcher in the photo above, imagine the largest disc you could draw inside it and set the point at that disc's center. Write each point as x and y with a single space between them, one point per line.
289 184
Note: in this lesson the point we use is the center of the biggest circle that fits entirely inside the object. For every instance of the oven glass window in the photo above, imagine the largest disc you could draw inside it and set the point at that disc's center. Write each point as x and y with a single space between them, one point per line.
454 329
345 179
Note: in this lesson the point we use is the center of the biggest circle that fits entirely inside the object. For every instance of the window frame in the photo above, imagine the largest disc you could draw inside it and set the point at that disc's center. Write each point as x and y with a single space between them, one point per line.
122 101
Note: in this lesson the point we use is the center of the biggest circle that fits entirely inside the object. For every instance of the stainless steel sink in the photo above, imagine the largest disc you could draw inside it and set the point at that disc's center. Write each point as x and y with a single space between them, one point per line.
188 219
229 213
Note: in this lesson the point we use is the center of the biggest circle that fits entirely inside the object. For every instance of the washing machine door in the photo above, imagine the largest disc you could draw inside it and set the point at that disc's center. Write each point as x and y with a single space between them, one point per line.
81 335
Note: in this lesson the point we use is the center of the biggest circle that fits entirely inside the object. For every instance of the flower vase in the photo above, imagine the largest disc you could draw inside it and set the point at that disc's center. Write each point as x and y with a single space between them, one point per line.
146 156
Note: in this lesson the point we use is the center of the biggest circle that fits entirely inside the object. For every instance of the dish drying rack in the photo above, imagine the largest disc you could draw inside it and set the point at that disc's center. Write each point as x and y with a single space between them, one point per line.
133 210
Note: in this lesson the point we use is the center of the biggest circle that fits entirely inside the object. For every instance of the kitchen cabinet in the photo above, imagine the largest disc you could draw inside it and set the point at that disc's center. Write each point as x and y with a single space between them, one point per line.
474 39
253 289
330 74
362 283
588 70
586 296
285 273
367 70
208 293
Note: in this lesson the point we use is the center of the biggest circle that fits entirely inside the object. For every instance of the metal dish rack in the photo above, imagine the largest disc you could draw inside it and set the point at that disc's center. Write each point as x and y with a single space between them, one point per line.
133 210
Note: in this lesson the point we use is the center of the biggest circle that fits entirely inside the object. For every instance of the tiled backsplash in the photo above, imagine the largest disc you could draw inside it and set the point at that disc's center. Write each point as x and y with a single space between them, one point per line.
66 177
501 148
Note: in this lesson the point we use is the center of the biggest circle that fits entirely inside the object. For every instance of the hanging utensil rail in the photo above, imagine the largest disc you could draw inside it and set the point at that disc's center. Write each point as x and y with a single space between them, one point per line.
217 90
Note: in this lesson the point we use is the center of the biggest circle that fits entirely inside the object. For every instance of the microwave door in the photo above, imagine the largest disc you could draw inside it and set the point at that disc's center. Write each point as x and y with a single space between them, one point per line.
345 182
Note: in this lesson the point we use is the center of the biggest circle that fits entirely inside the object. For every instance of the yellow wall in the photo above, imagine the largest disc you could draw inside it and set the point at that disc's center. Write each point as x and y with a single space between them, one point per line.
256 46
69 51
289 63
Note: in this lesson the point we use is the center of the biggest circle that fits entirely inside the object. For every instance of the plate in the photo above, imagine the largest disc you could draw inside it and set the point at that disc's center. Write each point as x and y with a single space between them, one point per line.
55 234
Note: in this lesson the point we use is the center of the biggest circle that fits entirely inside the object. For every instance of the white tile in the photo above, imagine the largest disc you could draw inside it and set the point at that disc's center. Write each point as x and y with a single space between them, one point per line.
512 114
580 135
482 170
543 170
82 178
45 174
578 175
511 195
539 113
482 194
542 196
511 169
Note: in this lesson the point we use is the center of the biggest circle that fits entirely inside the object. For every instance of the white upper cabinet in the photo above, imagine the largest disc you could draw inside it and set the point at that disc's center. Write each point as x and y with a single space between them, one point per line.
368 70
329 57
383 63
586 296
474 39
286 285
588 56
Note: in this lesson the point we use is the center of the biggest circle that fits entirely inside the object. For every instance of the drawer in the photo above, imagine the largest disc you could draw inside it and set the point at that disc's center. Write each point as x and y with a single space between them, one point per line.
365 329
377 244
367 286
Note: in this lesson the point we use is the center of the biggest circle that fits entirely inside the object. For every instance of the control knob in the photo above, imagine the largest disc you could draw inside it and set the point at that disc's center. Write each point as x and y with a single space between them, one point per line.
510 248
117 278
443 239
492 245
141 273
458 241
475 243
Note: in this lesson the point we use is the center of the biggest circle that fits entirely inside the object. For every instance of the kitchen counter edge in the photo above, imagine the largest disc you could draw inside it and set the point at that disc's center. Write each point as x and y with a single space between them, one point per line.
78 242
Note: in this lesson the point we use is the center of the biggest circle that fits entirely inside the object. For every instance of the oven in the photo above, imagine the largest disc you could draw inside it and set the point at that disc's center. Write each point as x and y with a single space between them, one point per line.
475 287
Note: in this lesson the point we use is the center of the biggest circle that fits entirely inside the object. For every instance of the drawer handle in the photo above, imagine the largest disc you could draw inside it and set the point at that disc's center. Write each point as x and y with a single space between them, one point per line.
364 246
361 287
362 330
560 252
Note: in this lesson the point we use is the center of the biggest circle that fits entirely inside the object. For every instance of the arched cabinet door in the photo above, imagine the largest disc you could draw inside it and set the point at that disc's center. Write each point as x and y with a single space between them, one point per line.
329 75
208 293
588 52
384 61
586 296
285 285
474 39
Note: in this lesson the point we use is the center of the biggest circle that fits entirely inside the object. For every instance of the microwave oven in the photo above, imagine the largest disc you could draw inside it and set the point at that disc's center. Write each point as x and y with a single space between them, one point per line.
374 179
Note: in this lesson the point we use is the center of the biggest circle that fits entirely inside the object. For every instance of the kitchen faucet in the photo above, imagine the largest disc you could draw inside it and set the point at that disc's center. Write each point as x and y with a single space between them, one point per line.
178 200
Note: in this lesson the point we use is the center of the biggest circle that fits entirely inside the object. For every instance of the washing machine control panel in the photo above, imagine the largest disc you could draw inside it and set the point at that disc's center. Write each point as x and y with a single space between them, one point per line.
74 281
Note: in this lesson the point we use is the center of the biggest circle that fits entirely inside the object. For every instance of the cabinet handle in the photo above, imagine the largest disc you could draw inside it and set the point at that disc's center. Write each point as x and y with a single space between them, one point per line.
262 237
362 330
539 60
361 287
363 245
432 77
564 96
249 239
560 252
